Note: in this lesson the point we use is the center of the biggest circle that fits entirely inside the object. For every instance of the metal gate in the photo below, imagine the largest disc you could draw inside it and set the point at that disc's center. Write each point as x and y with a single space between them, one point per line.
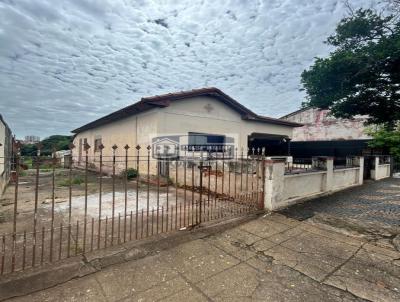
114 194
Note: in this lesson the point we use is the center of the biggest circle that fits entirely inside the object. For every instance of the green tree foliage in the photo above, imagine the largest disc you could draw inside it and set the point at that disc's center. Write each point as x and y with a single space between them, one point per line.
362 74
387 139
59 142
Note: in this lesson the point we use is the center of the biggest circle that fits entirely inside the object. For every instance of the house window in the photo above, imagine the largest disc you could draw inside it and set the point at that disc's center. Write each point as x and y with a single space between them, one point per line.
202 141
97 143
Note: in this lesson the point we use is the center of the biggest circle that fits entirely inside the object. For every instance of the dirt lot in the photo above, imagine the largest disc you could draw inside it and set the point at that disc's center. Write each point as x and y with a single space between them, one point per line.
26 197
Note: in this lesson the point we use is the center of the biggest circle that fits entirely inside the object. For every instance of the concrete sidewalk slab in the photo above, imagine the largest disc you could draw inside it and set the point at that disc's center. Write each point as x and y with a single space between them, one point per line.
271 258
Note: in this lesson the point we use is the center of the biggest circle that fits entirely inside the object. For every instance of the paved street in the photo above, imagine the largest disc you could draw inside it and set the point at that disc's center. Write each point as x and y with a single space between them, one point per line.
272 258
371 211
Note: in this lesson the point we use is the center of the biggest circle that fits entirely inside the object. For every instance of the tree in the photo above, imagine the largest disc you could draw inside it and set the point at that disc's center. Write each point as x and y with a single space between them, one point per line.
57 142
362 74
384 139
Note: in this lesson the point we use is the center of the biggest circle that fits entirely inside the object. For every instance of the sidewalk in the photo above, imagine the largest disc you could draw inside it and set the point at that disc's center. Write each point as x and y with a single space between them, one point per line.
272 258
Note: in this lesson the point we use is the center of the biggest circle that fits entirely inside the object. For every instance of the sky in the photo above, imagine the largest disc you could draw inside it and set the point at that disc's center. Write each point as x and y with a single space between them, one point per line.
65 63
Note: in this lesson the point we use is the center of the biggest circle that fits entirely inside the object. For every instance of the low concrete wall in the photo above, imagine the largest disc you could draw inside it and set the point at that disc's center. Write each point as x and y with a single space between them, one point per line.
304 184
381 171
283 190
343 178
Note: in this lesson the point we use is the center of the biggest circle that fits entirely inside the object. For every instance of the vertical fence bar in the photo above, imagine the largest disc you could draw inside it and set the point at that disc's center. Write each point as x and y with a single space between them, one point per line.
229 171
86 195
148 191
152 221
261 202
53 196
101 147
223 170
77 237
162 219
176 193
14 236
137 191
71 147
258 175
36 206
201 190
114 147
141 224
252 174
172 215
167 206
119 228
125 189
209 181
92 235
234 171
24 250
106 233
3 253
184 189
247 171
60 241
130 225
42 248
158 192
241 171
193 187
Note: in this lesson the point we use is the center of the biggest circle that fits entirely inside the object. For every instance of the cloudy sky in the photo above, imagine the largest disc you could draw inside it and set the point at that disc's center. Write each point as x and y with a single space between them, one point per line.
67 62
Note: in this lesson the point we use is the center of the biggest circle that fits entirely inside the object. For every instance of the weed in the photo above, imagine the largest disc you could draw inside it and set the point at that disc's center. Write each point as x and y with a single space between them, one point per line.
131 173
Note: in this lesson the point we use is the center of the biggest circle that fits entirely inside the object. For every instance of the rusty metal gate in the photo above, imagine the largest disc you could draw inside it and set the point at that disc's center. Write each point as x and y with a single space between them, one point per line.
58 208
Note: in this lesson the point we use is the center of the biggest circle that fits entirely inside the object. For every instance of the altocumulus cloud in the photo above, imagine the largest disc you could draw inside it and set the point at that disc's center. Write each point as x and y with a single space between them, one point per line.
64 63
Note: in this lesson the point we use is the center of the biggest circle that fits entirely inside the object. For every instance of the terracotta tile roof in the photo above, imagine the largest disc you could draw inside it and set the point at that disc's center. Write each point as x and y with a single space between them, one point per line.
165 100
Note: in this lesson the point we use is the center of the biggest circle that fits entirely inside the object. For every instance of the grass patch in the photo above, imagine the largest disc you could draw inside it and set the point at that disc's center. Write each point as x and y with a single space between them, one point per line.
22 173
77 180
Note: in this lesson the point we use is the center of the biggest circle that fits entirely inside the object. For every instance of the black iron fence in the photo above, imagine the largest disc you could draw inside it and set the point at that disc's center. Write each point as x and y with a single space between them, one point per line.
105 198
298 165
345 162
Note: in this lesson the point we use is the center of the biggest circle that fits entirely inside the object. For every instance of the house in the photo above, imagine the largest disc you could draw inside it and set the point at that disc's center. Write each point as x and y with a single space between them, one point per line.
6 146
200 119
320 125
324 135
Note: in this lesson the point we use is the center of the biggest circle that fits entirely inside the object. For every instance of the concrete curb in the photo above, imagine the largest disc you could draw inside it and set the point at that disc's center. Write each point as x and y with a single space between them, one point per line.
36 279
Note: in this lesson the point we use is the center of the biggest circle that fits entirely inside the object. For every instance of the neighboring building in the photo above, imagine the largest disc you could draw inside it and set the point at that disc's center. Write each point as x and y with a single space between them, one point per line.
6 146
191 119
319 125
325 135
31 139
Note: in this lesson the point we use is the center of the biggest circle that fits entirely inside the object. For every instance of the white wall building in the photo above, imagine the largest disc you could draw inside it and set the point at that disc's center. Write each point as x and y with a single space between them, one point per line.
205 117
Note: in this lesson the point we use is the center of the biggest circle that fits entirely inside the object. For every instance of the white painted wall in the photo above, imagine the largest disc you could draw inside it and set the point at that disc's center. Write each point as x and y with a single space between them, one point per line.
344 178
283 190
299 185
383 171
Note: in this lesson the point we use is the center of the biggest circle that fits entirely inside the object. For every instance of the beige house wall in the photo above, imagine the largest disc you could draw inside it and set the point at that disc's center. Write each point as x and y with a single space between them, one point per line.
131 131
207 115
198 114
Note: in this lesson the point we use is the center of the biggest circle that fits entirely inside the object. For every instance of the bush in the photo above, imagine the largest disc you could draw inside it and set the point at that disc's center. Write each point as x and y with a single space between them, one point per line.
131 173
